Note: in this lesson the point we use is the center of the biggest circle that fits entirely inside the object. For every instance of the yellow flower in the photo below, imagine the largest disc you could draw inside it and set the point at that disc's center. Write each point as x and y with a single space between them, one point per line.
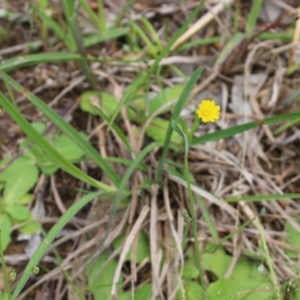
208 111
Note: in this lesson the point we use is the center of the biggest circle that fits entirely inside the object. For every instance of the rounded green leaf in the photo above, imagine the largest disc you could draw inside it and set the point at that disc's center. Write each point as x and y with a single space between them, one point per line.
31 226
66 147
143 292
108 102
190 271
100 279
165 96
192 291
17 212
21 177
25 199
255 289
143 247
157 130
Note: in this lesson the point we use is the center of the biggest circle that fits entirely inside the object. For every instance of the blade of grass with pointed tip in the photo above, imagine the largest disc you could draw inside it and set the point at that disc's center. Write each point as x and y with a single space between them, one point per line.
42 249
262 198
253 16
231 45
66 128
70 14
23 61
87 7
100 37
66 39
225 133
199 42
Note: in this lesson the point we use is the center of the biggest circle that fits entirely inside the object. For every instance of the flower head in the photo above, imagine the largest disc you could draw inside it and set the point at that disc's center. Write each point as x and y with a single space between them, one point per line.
208 111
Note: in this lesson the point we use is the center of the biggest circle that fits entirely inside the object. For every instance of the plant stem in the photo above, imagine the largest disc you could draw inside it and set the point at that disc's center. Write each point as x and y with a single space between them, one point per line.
5 275
194 224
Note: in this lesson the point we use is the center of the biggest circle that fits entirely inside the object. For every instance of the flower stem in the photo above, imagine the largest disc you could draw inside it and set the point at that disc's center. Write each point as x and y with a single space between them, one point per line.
197 256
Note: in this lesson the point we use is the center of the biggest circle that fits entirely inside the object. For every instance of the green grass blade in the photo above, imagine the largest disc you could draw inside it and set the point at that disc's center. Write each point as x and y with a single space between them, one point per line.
232 44
225 133
253 16
55 27
47 149
42 249
207 218
116 129
262 198
23 61
131 169
177 109
151 48
102 16
70 14
199 42
287 125
86 6
111 33
66 128
151 30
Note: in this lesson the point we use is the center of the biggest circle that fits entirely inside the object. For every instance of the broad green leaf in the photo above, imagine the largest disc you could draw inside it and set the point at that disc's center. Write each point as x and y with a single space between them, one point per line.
216 261
190 271
192 291
4 296
32 225
143 247
100 279
25 199
109 103
67 148
17 212
27 146
46 166
21 176
124 295
5 229
292 239
157 131
43 4
165 96
144 292
38 126
254 289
